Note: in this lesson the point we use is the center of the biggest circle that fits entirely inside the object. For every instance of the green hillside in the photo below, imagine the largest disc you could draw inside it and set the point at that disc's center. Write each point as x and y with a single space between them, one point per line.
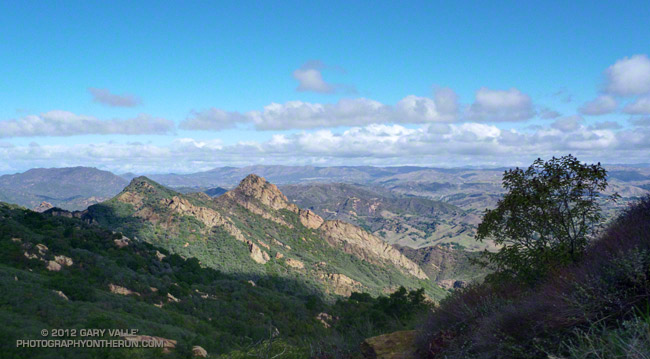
58 272
241 235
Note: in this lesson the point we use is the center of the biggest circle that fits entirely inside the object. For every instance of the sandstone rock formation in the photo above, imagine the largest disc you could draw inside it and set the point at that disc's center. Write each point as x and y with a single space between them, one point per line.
43 206
199 352
354 240
397 345
121 290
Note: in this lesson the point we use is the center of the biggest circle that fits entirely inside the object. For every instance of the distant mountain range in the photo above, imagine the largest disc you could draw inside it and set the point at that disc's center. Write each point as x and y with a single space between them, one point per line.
468 188
398 219
70 188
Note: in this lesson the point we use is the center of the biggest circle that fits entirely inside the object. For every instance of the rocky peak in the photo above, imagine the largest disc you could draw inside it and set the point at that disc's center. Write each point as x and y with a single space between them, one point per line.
44 206
254 186
141 184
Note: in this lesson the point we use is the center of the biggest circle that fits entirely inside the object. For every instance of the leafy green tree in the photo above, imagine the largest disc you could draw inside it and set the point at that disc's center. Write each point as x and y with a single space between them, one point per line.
546 217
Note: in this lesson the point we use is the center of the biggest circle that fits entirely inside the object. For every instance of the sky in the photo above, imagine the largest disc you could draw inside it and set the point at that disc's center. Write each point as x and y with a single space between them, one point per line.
186 86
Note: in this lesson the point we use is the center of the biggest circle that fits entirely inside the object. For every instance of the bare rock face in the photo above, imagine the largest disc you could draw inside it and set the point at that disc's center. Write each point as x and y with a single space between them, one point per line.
341 284
325 319
122 242
121 290
199 352
53 266
61 294
43 206
294 263
354 240
63 260
397 345
257 254
268 194
310 219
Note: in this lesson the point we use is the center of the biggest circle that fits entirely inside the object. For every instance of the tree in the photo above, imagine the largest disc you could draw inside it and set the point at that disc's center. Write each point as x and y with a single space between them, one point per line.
546 217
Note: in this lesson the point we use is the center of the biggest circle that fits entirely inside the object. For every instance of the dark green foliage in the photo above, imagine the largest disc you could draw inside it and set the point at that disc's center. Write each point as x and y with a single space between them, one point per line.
546 217
594 308
221 312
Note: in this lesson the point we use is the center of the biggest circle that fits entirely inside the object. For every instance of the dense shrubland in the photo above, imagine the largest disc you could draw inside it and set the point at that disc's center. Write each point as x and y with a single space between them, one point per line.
222 312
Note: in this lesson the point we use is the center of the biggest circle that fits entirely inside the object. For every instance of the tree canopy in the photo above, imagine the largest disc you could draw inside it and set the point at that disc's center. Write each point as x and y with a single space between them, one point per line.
546 217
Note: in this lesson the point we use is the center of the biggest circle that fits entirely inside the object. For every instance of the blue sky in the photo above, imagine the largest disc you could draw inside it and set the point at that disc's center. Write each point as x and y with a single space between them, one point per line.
186 86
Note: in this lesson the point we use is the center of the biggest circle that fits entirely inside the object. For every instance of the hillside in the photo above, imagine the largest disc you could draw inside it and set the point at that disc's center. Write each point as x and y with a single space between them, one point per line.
70 188
58 272
447 264
594 308
252 231
397 219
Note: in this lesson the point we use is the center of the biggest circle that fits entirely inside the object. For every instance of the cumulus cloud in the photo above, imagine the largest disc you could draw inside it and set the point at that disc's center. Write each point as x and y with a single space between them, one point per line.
375 144
298 114
601 105
105 97
568 124
63 123
443 107
500 106
640 106
212 119
310 79
628 76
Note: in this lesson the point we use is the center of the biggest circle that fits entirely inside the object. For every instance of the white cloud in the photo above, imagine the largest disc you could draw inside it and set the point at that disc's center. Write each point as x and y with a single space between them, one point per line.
431 144
500 106
601 105
640 106
310 78
629 76
346 112
298 114
105 97
212 119
568 124
63 123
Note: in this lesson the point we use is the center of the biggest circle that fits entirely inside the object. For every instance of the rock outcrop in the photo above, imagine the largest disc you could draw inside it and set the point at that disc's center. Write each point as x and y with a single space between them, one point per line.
121 290
354 240
199 352
341 284
397 345
43 206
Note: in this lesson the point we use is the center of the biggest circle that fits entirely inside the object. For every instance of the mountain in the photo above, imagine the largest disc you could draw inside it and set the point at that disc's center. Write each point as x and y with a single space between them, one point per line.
70 188
253 230
472 189
396 218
